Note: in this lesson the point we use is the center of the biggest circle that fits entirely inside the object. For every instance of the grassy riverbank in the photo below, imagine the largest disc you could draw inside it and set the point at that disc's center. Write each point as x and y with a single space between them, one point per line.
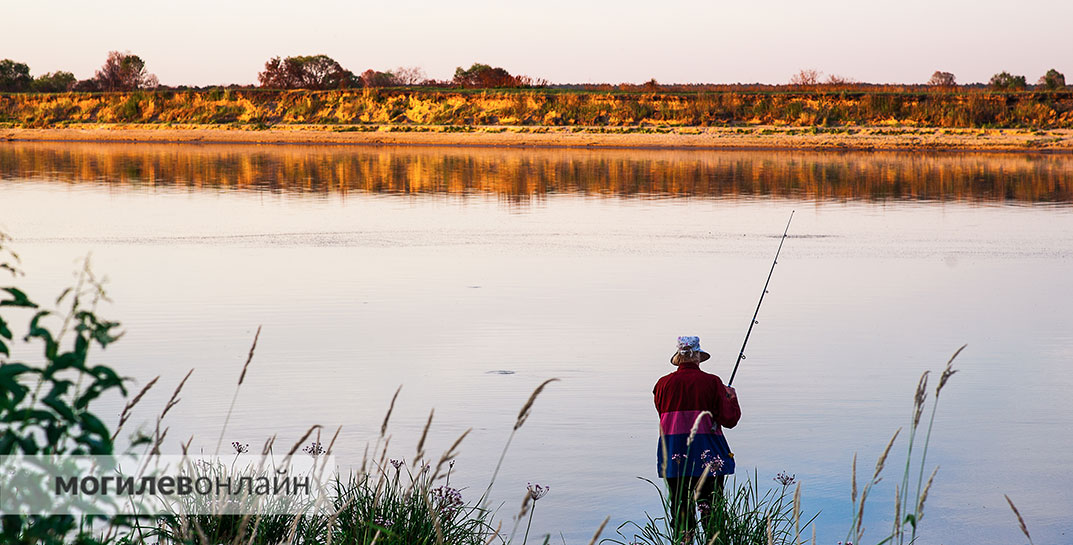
840 119
814 107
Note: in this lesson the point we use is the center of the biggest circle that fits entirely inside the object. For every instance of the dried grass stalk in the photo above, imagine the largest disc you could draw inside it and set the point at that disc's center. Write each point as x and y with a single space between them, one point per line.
599 531
175 395
249 358
1020 519
523 414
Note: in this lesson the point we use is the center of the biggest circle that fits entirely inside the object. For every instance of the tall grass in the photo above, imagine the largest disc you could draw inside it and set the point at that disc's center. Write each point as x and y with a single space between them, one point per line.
744 514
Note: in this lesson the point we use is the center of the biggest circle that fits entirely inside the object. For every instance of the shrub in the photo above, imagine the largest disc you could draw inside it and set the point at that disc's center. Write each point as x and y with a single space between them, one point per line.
806 77
45 404
942 79
14 76
1053 80
124 72
55 82
305 72
1005 81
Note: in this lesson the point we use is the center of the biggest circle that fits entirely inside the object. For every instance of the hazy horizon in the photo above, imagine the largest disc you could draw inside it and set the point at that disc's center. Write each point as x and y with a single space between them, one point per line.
208 43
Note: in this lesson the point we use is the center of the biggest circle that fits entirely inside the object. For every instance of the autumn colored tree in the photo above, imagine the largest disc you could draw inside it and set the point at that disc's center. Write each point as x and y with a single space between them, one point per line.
1053 80
835 79
483 76
14 76
408 75
942 79
124 72
305 72
1005 81
806 77
372 78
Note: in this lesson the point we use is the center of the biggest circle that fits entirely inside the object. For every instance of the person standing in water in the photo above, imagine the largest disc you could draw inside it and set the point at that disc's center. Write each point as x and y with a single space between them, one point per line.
693 407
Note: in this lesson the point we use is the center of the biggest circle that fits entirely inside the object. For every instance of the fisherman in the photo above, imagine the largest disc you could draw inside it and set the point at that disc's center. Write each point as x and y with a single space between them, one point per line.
693 408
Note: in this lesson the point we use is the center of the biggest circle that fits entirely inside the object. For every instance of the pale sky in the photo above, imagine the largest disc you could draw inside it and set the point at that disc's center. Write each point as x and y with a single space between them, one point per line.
202 42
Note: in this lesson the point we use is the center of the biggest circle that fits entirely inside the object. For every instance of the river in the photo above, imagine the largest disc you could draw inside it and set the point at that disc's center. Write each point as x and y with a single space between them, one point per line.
469 276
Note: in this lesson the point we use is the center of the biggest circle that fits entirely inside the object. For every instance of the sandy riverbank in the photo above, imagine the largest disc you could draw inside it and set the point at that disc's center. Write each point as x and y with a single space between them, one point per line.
753 137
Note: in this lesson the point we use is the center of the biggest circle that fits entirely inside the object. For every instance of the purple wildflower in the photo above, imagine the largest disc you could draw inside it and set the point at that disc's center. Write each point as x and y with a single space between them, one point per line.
448 500
786 480
537 491
397 463
383 522
240 448
713 463
704 507
314 449
679 458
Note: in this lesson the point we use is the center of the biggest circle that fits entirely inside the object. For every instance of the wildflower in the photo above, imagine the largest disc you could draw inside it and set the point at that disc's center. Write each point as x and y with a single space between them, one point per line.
397 463
704 507
537 491
240 448
314 449
784 479
447 499
383 522
713 463
679 458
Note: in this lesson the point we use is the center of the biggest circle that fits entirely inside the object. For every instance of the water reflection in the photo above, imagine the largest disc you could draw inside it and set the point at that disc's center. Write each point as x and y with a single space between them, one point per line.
519 176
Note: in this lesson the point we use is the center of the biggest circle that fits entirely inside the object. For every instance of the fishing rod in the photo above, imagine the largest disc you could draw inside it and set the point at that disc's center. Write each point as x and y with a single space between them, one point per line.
741 353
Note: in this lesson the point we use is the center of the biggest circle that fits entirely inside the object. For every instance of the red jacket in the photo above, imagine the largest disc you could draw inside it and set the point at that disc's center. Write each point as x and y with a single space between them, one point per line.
682 398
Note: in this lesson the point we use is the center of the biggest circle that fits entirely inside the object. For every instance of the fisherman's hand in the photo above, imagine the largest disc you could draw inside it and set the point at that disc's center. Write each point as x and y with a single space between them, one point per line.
731 394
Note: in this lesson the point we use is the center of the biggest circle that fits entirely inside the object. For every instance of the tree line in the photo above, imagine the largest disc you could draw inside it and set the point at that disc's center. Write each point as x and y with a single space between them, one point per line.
125 71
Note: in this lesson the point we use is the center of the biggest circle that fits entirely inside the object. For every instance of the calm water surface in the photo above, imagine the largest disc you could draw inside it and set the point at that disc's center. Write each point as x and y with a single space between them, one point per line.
371 268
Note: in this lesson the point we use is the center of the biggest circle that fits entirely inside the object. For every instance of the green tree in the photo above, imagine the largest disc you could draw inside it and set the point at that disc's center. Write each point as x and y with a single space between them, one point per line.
54 82
14 76
1005 81
124 72
1053 80
305 72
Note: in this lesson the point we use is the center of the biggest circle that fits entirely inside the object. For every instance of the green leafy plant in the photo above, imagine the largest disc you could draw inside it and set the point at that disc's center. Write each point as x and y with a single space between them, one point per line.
44 404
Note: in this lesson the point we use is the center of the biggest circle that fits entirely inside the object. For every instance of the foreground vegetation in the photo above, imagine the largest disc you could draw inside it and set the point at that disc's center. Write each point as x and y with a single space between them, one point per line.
46 409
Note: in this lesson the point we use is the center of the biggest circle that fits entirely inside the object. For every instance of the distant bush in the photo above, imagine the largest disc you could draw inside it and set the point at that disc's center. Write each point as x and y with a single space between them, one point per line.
1005 81
372 78
806 77
483 76
942 79
408 75
55 82
124 72
1053 80
14 76
305 72
835 79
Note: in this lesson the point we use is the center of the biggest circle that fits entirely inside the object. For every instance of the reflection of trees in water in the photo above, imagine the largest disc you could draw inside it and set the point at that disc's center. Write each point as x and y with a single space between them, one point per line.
518 175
